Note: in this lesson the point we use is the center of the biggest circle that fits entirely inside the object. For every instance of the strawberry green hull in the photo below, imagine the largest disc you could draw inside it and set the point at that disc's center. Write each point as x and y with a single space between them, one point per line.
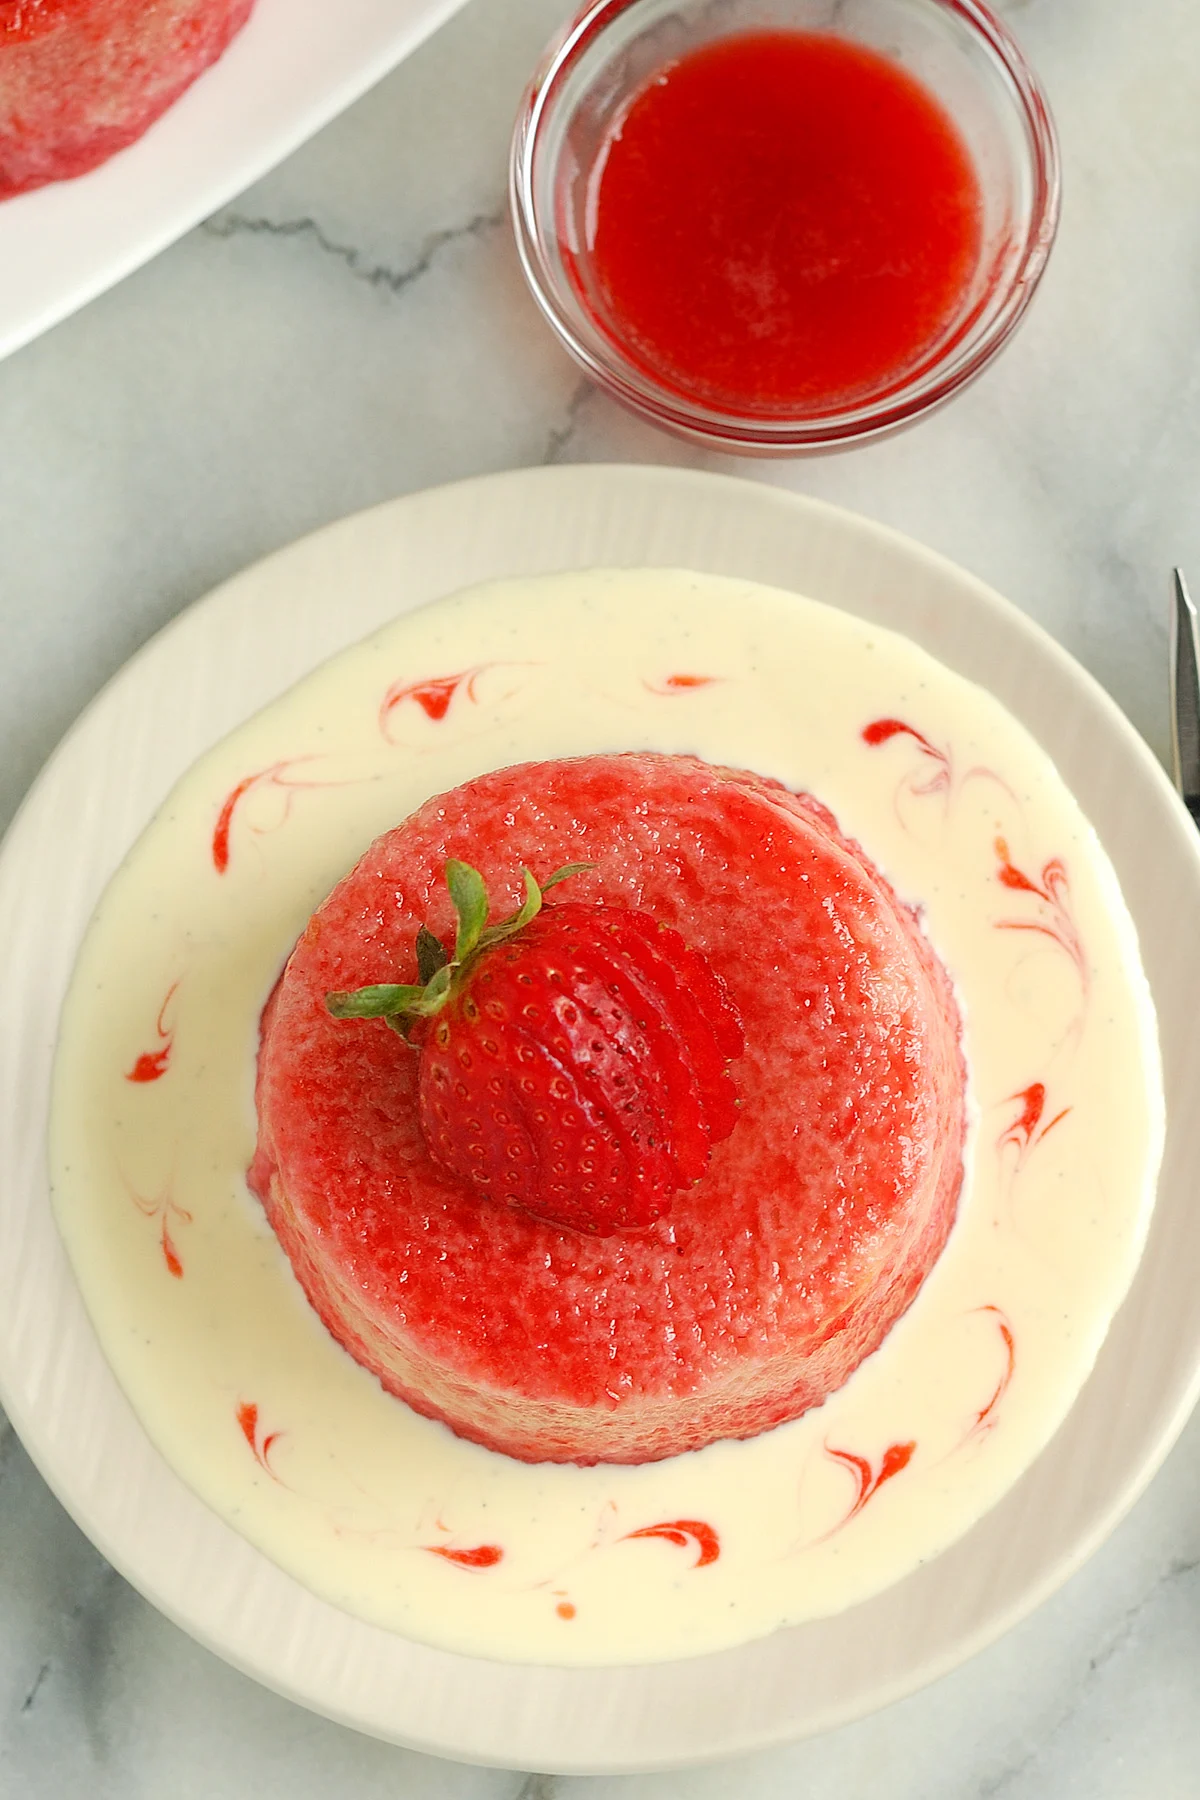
772 1277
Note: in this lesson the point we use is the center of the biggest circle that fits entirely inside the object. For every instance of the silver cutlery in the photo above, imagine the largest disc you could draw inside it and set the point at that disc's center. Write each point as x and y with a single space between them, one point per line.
1184 674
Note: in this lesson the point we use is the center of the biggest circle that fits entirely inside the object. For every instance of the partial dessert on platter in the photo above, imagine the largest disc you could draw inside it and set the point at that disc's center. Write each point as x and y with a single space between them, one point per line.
700 1099
82 79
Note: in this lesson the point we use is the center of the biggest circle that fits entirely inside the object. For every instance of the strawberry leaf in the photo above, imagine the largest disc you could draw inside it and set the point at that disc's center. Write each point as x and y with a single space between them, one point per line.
529 909
433 996
470 903
431 954
440 974
562 874
374 1002
531 906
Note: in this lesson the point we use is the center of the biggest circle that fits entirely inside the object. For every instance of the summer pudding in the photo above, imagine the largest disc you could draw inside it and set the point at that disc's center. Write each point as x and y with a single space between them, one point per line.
707 1115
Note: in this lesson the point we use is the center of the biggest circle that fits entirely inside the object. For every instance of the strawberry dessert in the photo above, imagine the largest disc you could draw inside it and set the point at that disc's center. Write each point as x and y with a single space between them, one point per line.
81 79
654 1160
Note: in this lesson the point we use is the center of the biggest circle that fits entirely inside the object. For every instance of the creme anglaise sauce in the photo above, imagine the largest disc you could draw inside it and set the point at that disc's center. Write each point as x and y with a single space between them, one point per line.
389 1515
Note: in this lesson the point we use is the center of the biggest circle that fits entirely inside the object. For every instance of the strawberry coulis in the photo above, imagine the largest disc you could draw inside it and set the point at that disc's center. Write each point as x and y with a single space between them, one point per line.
781 221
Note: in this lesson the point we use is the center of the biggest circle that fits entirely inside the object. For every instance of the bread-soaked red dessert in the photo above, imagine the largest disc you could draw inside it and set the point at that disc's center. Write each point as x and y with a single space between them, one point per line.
768 1280
81 79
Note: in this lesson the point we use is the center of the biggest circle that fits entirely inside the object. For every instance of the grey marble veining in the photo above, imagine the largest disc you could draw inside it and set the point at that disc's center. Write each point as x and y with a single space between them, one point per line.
355 327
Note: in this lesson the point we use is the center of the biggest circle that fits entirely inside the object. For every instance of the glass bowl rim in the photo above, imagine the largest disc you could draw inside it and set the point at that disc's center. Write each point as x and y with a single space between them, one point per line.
926 388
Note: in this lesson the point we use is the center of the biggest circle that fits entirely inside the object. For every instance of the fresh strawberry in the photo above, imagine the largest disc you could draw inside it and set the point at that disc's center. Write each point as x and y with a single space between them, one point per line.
574 1060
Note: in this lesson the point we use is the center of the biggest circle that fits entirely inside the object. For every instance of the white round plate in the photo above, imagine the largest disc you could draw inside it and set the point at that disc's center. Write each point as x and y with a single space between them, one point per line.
224 659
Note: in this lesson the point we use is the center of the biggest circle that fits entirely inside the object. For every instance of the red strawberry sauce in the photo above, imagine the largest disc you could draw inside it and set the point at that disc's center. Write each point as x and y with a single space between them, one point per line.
782 221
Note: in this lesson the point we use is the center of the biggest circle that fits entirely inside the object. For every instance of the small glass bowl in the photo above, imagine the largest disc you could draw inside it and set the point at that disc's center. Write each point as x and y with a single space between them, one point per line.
955 48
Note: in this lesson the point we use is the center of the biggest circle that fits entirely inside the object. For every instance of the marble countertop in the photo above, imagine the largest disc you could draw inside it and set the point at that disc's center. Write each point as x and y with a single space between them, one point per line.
356 327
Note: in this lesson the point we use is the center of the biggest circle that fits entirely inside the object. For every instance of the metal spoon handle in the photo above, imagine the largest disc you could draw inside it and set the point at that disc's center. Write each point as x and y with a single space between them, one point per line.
1184 675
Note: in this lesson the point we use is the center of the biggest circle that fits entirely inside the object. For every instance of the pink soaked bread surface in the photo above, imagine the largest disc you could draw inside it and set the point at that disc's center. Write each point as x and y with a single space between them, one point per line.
81 79
771 1278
